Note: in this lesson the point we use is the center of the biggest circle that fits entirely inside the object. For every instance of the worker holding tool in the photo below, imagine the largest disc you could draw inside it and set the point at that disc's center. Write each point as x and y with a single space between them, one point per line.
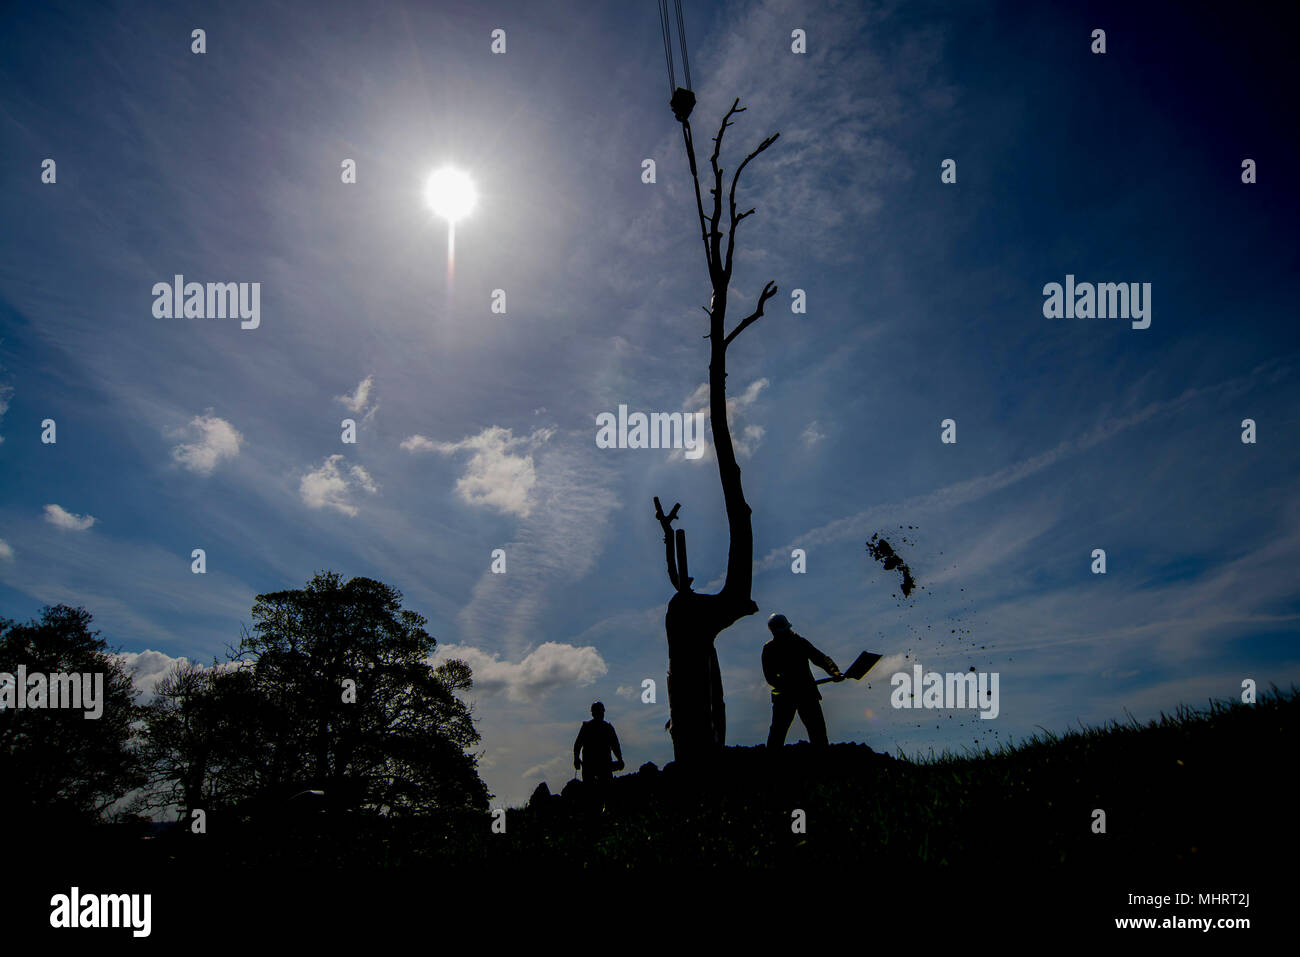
785 665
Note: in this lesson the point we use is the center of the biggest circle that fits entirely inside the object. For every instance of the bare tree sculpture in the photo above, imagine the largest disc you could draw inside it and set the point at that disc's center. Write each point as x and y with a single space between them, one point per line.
693 621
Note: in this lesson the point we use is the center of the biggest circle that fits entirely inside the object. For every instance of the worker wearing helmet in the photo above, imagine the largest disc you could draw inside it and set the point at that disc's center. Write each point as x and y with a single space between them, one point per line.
785 665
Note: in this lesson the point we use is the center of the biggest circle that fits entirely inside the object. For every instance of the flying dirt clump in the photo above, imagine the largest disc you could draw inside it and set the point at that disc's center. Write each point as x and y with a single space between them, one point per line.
880 550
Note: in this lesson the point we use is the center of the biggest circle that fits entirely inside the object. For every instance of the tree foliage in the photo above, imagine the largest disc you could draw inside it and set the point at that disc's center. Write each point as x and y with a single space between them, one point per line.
202 744
330 690
56 764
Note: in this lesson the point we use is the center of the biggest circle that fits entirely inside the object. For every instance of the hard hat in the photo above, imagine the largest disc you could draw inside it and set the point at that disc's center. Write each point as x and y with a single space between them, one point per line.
777 623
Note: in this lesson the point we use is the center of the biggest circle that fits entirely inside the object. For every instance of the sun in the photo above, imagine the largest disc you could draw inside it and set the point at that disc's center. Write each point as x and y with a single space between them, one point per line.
450 193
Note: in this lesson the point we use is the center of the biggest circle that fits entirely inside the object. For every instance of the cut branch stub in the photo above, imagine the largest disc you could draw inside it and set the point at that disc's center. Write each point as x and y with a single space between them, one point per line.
684 578
666 523
666 520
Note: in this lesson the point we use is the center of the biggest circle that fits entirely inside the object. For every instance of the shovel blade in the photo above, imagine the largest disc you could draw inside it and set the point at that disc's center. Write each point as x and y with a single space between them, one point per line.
861 665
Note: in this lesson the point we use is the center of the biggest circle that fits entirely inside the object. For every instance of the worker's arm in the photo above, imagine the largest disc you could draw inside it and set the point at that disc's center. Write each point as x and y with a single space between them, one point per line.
821 660
618 751
769 667
577 747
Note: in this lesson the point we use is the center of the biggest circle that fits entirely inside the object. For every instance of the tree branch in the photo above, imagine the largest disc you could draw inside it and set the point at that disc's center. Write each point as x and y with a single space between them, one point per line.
735 220
715 235
768 292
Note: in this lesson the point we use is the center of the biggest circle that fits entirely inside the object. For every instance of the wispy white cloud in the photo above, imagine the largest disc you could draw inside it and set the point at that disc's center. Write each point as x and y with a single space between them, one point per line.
334 485
557 543
553 769
992 543
5 392
982 486
136 591
60 517
215 440
357 401
1171 622
836 159
812 434
745 436
6 551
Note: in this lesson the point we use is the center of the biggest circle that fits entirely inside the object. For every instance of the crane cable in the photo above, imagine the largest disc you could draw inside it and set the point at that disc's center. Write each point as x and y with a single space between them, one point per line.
665 24
681 35
668 46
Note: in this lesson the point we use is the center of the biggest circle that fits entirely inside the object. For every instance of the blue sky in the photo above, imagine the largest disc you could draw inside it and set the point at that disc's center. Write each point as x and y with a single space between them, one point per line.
924 303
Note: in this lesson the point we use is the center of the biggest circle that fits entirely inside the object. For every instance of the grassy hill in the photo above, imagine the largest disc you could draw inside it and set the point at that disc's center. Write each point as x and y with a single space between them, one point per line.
1197 786
1198 801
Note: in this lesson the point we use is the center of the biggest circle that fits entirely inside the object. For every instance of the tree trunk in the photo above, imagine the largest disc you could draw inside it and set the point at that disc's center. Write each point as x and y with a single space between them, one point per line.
693 622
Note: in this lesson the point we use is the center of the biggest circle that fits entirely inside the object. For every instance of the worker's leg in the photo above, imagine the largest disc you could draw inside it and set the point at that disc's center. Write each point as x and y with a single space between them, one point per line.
810 713
597 788
782 715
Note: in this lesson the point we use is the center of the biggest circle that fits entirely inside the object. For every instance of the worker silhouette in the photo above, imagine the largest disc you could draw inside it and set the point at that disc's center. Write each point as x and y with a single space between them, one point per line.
785 665
596 743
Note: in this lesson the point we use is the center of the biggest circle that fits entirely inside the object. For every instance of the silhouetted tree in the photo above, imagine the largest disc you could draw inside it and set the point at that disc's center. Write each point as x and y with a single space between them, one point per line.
56 764
203 742
693 621
178 748
400 746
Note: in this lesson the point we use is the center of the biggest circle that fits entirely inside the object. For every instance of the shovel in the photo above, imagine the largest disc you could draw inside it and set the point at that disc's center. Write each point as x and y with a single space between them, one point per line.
860 667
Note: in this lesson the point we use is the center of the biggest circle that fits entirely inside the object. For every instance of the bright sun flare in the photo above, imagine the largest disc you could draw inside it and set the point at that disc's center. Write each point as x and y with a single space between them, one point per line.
450 193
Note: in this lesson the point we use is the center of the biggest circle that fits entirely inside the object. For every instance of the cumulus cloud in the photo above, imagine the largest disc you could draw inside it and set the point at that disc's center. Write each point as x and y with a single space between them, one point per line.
333 485
357 401
147 669
215 439
150 667
500 472
5 550
550 665
60 517
745 436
